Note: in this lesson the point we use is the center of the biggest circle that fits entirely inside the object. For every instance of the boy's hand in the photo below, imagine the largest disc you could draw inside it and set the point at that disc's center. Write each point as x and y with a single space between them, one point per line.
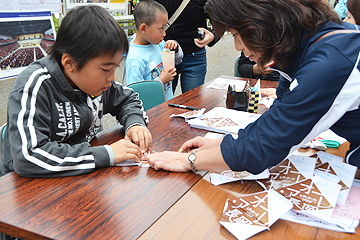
141 136
124 149
171 45
168 75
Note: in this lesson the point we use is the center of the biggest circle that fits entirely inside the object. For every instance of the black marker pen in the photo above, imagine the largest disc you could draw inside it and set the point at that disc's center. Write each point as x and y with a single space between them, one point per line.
183 106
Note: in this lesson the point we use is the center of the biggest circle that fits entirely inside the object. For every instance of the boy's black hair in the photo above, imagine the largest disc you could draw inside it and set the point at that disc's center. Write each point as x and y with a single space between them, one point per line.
145 12
88 32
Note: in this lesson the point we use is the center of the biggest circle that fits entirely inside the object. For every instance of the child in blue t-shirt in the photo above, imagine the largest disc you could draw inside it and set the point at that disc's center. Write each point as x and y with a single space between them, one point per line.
143 60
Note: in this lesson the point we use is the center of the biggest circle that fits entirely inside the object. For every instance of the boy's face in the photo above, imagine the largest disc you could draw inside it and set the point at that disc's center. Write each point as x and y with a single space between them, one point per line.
155 33
96 75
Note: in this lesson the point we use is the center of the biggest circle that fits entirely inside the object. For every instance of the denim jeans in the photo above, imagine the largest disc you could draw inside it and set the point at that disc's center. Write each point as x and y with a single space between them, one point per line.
192 71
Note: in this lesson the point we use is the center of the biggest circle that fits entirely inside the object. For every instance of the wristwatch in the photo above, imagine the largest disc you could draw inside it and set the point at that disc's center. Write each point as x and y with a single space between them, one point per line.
192 158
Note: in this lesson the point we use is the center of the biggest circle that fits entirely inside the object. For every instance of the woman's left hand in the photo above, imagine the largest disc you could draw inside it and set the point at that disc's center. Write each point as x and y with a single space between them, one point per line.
170 161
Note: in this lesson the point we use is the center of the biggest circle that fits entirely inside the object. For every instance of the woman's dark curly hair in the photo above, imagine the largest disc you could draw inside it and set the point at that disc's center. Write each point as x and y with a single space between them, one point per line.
273 28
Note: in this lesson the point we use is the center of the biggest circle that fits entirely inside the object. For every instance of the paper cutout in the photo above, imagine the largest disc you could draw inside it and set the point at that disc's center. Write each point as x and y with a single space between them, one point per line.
248 215
331 167
290 171
221 177
190 114
315 197
323 157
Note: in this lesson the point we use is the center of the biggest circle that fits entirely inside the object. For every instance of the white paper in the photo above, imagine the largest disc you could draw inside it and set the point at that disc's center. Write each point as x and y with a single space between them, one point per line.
226 176
223 120
344 172
293 216
223 82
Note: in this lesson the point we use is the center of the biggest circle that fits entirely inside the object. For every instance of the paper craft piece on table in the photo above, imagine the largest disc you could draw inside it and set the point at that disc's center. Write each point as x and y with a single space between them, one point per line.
130 162
223 82
351 209
190 114
289 171
250 214
315 197
323 157
293 216
221 177
340 173
223 120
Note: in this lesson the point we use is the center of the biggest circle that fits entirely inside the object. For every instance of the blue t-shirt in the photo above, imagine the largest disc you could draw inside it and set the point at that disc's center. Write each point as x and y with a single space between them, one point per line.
144 63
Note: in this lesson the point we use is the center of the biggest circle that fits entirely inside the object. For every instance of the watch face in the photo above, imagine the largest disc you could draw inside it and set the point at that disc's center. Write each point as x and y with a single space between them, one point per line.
192 157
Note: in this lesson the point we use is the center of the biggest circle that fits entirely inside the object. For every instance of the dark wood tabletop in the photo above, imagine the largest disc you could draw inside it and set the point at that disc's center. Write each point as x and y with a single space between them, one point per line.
110 203
133 202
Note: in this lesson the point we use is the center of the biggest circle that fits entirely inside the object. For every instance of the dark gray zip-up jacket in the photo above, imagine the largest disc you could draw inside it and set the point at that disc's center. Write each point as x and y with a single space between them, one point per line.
50 124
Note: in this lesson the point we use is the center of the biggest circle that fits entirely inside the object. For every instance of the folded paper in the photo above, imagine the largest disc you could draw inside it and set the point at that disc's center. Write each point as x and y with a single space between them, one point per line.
221 177
190 114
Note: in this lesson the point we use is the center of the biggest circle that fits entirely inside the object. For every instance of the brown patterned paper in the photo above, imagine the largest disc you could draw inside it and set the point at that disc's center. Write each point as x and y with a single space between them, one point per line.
191 113
250 209
226 122
211 121
326 167
282 175
305 196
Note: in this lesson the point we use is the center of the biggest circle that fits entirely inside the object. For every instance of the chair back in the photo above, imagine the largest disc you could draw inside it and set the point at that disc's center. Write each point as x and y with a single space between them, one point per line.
151 93
2 134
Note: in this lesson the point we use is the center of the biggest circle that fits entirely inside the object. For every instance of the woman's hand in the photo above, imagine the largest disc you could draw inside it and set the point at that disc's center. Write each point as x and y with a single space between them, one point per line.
169 161
200 143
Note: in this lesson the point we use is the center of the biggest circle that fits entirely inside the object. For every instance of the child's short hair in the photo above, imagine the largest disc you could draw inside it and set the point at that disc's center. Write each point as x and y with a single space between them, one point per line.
87 32
145 12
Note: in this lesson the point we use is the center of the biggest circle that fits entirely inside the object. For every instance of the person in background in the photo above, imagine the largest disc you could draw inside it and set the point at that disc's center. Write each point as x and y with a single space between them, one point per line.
341 9
250 69
184 30
57 104
143 61
318 88
353 13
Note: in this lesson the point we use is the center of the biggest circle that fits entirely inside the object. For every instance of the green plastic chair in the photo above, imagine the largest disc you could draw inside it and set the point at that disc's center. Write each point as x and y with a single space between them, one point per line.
2 134
151 93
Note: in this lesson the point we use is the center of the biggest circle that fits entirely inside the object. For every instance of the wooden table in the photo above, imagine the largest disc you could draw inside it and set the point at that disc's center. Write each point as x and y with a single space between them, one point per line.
133 202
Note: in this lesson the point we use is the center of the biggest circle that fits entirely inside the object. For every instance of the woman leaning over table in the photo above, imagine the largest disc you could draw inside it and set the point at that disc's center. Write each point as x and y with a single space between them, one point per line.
318 88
